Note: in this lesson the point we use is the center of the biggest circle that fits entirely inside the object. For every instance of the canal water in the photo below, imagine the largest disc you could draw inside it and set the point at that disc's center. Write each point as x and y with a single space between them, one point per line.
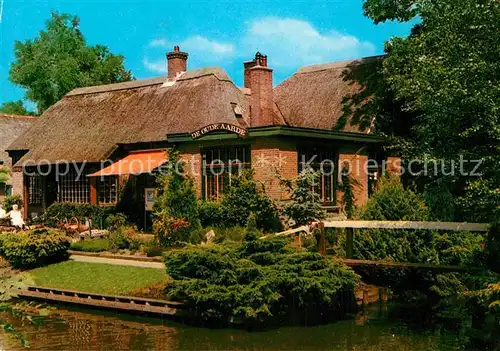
78 329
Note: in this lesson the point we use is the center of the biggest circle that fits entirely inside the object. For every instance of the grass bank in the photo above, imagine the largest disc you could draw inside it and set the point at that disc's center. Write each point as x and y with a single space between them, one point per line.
97 277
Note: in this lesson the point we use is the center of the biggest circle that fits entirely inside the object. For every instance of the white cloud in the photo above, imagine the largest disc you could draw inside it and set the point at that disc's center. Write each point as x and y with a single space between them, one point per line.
291 43
159 42
205 46
202 51
155 66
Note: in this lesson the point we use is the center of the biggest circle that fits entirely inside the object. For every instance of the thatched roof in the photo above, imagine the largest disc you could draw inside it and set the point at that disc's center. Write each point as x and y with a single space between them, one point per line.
12 127
88 123
315 96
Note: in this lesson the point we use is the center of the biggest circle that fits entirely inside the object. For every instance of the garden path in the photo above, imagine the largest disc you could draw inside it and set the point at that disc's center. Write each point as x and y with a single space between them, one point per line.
79 258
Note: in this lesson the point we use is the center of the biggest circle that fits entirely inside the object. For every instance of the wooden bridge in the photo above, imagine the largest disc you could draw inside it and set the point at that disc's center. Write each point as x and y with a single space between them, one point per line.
411 225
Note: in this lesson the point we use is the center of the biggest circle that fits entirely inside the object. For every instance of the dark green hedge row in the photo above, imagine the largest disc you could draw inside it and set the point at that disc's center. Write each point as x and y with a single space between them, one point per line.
34 248
259 282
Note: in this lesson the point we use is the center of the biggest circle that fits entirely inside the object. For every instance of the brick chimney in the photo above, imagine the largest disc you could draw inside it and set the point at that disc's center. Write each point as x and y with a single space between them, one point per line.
176 62
259 79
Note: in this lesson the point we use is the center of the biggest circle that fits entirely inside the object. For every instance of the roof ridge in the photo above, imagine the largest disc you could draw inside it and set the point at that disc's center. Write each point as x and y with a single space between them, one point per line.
217 72
337 64
132 84
6 115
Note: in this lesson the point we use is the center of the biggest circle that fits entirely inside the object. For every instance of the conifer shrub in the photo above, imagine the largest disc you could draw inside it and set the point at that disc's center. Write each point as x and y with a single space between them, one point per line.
304 206
34 248
251 231
176 212
259 282
424 290
392 201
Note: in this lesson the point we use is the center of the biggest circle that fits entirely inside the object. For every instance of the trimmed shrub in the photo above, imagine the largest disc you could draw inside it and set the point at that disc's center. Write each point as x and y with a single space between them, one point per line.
259 281
91 245
60 210
34 248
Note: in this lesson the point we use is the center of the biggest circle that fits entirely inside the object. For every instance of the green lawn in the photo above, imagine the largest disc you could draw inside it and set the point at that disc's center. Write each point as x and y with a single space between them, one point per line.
97 277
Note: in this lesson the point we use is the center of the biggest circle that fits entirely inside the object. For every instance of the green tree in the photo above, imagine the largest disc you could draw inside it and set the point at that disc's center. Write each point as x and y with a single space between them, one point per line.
447 73
59 60
176 210
15 108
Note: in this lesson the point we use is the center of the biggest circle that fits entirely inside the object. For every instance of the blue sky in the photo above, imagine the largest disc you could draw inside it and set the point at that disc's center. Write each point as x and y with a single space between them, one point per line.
215 33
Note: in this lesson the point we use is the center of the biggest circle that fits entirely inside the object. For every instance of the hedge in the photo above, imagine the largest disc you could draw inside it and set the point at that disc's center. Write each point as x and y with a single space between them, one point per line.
34 248
259 282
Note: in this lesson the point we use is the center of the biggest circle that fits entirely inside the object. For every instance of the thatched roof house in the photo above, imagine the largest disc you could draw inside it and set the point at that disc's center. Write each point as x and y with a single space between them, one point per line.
11 128
207 117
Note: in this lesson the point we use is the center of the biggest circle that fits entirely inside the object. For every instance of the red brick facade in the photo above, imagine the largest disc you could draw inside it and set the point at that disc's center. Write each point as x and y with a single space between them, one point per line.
273 157
359 175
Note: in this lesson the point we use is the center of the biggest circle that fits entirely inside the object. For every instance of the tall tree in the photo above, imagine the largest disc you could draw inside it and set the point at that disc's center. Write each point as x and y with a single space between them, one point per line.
447 73
15 108
59 60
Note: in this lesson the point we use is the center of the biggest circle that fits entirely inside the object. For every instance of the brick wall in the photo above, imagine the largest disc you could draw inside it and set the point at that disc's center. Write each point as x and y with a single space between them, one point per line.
191 156
359 174
17 183
271 157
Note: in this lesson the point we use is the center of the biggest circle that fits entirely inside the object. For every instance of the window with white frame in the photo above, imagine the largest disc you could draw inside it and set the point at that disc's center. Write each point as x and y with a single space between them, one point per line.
108 193
34 189
74 187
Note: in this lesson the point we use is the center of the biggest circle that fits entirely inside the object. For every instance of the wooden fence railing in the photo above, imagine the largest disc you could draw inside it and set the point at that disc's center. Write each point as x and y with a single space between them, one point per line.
412 225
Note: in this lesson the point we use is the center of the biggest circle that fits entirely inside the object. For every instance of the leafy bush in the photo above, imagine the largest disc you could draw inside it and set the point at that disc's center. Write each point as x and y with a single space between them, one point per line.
259 281
244 197
210 214
115 221
127 237
90 245
305 206
152 250
60 210
176 211
11 200
34 248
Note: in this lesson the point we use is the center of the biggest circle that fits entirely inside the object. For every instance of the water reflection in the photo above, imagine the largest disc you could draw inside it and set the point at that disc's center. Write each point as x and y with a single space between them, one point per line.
76 329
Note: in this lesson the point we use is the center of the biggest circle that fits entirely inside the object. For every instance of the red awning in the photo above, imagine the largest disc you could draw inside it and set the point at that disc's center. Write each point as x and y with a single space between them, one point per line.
136 162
